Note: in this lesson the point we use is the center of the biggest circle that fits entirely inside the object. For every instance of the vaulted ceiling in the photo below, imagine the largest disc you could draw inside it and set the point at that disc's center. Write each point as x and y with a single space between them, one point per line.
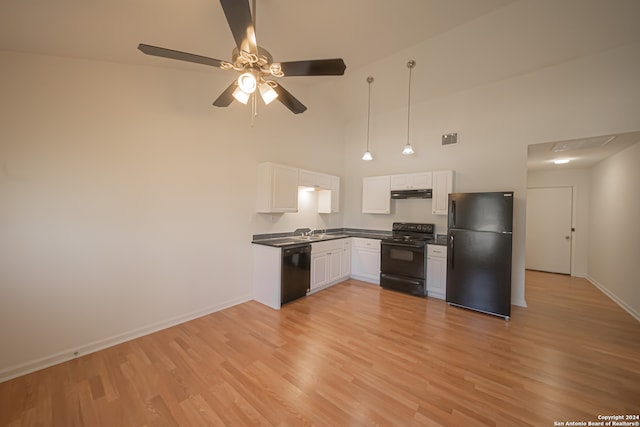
360 31
470 42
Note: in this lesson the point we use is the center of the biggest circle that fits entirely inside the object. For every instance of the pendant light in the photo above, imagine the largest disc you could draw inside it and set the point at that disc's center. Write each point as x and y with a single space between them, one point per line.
367 154
408 150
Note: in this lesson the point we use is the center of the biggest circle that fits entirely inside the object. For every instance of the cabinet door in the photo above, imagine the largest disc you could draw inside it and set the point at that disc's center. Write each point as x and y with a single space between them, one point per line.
313 179
328 200
365 260
376 194
346 260
277 188
367 264
285 189
442 186
399 182
335 194
319 270
436 277
420 181
335 265
307 178
411 181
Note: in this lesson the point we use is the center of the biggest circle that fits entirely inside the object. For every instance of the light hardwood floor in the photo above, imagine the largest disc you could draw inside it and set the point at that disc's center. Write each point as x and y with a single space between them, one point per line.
355 355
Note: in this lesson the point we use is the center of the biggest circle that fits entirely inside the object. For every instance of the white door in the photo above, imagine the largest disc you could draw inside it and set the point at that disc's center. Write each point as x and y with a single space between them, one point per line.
548 242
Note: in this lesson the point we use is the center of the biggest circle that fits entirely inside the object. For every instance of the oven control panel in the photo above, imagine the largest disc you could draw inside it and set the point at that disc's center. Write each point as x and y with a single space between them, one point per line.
413 227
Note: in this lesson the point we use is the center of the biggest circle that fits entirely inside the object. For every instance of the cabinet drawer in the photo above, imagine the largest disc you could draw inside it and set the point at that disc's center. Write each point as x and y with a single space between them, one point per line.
373 244
329 245
437 251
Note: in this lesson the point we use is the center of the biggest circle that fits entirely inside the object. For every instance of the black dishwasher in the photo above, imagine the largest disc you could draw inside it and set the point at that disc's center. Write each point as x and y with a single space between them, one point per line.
296 272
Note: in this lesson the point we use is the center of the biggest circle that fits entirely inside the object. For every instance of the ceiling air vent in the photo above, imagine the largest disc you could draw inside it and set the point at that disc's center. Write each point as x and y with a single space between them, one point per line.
449 138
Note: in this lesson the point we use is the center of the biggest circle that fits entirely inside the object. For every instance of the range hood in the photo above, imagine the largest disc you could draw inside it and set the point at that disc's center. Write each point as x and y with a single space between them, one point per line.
412 194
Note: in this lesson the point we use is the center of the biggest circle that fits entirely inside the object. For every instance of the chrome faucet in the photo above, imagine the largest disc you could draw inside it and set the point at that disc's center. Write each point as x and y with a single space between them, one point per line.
303 231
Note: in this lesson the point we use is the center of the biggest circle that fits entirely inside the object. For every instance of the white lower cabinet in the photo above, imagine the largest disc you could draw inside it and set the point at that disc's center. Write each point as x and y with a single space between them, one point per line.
327 263
436 271
346 258
365 260
319 273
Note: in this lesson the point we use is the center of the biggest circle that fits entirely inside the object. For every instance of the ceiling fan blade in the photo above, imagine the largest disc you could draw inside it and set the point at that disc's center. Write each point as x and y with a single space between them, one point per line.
289 100
238 13
317 67
226 97
175 54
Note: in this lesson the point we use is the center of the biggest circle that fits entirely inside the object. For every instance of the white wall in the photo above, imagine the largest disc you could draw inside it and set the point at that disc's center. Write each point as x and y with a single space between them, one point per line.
579 181
127 201
594 95
614 240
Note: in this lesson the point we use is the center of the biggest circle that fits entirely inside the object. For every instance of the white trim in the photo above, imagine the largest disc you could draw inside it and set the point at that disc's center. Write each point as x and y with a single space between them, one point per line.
519 302
614 298
72 353
366 278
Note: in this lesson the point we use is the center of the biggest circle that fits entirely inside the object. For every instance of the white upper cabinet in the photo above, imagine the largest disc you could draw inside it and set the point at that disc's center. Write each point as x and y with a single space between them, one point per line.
317 180
277 188
411 181
329 200
335 194
376 194
442 186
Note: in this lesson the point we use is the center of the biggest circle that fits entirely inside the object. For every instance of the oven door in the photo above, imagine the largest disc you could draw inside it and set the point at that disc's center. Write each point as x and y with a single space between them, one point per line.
404 259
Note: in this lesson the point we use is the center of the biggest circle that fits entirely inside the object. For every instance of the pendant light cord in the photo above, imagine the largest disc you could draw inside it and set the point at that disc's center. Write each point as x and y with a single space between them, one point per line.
410 65
369 80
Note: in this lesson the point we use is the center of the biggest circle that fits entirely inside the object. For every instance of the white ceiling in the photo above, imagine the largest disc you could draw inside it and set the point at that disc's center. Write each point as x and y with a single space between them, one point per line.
360 31
582 153
471 42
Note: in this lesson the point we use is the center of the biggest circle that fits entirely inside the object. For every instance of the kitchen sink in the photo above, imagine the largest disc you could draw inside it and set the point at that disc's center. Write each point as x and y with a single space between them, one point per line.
309 238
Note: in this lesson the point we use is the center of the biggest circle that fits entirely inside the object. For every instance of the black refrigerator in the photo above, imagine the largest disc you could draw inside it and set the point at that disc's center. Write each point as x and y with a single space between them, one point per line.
480 227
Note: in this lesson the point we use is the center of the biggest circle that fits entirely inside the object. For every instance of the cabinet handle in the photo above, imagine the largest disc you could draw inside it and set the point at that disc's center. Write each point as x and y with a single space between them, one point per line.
453 214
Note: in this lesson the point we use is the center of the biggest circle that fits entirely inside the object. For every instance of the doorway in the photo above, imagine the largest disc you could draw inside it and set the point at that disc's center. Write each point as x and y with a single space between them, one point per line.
549 229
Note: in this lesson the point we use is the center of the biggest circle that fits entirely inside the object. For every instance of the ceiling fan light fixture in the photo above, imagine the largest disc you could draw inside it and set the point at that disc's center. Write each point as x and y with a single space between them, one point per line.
241 96
253 62
247 82
267 93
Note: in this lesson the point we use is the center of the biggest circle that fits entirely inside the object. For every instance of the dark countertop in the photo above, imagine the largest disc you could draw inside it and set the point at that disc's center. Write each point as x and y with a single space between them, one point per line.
279 240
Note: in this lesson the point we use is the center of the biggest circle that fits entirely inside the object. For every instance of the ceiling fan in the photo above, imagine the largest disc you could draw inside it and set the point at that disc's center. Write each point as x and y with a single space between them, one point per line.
255 64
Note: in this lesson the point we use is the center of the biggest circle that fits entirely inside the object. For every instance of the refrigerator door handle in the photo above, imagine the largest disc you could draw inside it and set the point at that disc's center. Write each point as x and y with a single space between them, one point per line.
453 214
452 249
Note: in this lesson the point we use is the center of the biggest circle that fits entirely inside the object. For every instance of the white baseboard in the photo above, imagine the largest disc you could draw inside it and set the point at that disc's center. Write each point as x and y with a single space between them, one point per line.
520 302
368 279
63 356
613 297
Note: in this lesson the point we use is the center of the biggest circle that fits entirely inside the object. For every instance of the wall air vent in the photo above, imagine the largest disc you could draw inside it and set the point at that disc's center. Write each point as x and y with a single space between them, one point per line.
449 138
